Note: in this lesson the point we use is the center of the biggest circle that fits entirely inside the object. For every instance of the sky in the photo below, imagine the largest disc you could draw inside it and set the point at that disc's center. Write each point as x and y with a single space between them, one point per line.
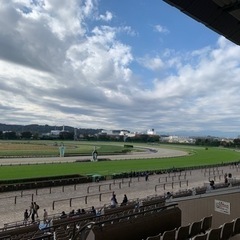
110 64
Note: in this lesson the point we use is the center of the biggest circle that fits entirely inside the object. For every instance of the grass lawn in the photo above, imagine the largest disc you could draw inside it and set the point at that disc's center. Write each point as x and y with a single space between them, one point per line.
51 148
198 156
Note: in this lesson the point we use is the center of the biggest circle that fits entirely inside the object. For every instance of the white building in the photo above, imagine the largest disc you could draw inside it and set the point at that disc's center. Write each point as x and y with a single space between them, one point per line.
151 132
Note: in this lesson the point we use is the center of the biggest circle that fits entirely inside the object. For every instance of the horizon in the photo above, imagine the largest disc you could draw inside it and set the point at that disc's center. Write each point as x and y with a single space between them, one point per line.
130 65
162 133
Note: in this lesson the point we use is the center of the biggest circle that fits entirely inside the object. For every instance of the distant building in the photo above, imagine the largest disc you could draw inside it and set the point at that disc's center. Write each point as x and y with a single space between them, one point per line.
176 139
55 132
151 132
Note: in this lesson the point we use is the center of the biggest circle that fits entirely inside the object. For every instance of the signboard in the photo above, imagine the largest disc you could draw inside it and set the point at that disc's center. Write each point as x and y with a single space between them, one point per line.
222 207
61 150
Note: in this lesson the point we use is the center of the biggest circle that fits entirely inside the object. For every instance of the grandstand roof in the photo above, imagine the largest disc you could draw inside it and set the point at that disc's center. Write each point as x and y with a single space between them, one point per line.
222 16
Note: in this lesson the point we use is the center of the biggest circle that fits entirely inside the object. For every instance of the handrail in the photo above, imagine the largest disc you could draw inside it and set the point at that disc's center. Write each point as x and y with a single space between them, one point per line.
172 177
172 183
17 196
79 197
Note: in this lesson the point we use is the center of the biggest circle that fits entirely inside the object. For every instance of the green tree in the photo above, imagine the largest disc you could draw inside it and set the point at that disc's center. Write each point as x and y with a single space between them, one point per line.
26 135
9 135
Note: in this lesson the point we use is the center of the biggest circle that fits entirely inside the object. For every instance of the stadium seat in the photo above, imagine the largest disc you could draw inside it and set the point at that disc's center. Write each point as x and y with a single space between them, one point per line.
169 235
156 237
206 223
214 234
227 230
236 226
182 232
195 228
201 237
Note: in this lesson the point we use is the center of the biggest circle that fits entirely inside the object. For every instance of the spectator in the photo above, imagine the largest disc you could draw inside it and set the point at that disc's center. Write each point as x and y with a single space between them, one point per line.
32 212
146 176
93 210
125 200
63 215
212 184
169 195
226 178
36 207
114 200
31 209
72 213
78 212
26 216
45 216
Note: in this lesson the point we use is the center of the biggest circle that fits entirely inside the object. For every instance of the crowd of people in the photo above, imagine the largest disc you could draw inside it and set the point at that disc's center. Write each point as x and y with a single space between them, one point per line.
32 212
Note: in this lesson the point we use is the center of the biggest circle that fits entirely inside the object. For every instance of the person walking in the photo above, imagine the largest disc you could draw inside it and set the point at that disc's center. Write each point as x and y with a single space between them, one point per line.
45 216
26 216
36 207
114 200
32 212
146 176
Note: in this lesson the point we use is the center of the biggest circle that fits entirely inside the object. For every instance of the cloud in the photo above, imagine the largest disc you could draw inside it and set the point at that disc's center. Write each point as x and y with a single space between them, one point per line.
152 63
66 63
161 29
107 17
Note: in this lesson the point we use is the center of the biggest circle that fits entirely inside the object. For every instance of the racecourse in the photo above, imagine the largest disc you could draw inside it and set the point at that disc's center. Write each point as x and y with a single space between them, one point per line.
13 204
148 153
14 211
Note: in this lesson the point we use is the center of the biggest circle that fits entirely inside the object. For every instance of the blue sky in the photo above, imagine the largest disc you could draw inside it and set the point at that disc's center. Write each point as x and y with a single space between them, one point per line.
111 64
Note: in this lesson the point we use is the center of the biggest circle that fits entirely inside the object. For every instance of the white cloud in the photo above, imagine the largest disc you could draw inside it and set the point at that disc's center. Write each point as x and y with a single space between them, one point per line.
107 17
89 7
161 29
57 68
152 63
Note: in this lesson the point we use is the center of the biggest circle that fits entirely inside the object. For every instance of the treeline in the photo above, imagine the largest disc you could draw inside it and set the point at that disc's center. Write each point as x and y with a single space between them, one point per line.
65 135
214 142
42 132
11 135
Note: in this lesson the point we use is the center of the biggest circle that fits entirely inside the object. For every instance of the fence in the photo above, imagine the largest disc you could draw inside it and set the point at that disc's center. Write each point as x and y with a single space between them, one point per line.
80 197
172 184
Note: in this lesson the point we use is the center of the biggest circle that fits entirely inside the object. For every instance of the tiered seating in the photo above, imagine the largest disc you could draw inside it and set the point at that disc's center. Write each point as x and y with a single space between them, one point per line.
138 225
25 232
201 230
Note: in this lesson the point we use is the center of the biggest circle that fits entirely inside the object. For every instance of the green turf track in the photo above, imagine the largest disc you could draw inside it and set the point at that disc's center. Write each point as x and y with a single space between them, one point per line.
198 156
